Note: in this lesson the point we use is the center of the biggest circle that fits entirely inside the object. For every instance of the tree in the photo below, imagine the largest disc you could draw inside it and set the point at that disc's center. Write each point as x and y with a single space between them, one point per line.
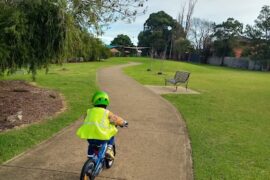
226 35
182 46
145 41
33 34
185 19
260 37
121 40
88 47
201 31
37 33
180 43
157 33
263 22
96 14
11 42
200 35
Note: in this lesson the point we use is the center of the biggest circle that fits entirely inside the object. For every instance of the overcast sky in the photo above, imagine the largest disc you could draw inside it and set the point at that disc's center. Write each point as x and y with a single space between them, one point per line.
246 11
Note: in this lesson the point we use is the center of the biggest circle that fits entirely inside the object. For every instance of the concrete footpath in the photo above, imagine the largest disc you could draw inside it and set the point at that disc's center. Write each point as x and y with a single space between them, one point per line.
154 146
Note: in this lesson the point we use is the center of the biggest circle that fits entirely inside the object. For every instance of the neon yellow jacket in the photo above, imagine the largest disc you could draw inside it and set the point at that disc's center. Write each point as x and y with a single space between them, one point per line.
99 124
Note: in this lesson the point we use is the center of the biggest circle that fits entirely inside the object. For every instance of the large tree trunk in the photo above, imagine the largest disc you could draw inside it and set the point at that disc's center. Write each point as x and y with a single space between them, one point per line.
222 60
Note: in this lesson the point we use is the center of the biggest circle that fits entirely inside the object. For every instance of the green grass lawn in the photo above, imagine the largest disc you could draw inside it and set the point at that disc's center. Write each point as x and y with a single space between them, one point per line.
77 84
228 123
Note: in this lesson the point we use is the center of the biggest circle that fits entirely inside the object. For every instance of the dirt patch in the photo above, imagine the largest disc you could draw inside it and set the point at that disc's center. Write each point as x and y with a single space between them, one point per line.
170 90
22 103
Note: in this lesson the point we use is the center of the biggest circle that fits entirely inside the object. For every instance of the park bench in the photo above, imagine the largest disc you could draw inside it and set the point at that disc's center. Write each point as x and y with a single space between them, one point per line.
179 77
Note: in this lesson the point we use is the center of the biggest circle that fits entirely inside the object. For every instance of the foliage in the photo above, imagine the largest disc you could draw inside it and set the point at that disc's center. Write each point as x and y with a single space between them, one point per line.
37 33
165 36
226 35
34 34
263 22
46 26
144 40
96 14
260 37
12 44
87 47
201 37
201 31
182 46
122 40
228 29
157 32
185 16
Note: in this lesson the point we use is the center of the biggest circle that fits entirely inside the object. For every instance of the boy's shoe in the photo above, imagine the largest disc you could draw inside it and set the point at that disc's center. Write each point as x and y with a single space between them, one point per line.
110 153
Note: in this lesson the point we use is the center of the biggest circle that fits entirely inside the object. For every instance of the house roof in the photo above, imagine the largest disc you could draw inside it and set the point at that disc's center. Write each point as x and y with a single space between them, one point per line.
111 46
113 50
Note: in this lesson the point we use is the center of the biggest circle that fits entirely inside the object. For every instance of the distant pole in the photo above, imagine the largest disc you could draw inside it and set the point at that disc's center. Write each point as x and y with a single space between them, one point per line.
152 58
162 62
136 49
161 67
165 52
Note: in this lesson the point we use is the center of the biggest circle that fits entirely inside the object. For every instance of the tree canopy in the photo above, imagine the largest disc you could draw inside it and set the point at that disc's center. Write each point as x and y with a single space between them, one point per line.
165 36
96 14
33 34
260 37
157 32
188 36
121 40
37 33
226 34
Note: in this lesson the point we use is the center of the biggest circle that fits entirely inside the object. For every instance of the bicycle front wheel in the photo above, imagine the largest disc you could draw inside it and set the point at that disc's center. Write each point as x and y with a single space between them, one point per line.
87 170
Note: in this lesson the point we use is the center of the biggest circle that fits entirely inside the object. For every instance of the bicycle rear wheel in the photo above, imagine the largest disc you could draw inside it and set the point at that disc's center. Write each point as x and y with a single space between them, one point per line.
87 170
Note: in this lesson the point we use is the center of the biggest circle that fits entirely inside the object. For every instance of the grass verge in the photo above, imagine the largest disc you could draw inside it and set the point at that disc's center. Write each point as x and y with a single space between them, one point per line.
76 82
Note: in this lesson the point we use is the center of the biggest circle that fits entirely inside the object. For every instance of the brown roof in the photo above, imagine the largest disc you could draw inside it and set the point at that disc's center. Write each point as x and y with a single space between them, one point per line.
113 50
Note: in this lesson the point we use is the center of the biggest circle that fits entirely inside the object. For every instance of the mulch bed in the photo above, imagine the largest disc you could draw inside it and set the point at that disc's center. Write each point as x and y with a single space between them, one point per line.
22 103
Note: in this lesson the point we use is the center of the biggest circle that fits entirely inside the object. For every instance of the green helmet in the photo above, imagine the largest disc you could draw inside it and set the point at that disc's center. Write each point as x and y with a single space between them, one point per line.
100 98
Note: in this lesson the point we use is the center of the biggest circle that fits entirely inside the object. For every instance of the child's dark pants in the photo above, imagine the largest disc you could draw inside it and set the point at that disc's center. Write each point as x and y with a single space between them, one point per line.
98 143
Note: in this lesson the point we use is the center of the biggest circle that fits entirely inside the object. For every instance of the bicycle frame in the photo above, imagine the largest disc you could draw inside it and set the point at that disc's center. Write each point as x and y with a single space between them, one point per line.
99 159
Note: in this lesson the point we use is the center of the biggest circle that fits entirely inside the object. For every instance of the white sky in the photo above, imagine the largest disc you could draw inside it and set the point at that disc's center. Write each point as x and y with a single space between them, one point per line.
246 11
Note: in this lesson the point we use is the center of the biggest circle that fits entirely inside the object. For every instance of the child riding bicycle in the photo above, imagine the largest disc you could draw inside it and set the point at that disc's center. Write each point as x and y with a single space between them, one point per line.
99 125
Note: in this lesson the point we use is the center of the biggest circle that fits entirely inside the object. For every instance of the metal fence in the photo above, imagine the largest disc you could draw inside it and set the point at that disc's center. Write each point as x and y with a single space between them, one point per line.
241 63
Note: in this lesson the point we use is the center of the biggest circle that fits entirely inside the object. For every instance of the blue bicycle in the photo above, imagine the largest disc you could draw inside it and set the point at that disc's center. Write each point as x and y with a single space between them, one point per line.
93 166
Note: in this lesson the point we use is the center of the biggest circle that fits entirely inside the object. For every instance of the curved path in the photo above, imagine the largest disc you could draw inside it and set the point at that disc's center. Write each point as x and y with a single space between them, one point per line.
155 146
